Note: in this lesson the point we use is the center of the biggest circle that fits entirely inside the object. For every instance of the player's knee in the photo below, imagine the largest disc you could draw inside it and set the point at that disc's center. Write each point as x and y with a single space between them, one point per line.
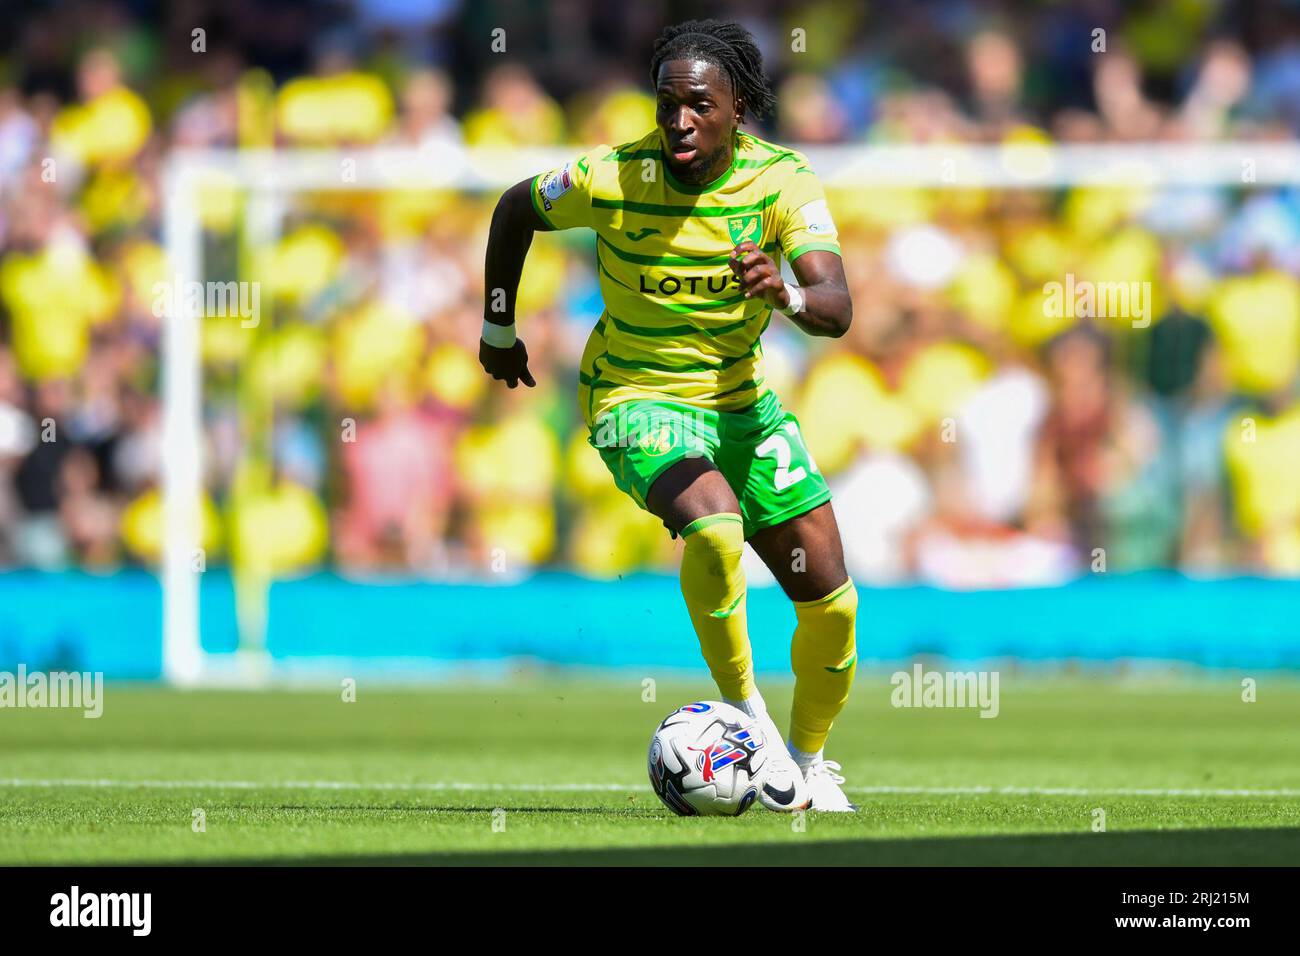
831 622
843 609
717 537
711 562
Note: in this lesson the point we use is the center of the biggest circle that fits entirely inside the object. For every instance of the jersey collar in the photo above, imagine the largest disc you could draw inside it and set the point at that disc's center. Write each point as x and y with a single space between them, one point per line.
682 187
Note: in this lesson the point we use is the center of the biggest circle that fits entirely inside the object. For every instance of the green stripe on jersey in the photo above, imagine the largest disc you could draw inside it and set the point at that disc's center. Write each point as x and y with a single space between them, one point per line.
684 211
645 365
812 247
743 386
631 329
644 260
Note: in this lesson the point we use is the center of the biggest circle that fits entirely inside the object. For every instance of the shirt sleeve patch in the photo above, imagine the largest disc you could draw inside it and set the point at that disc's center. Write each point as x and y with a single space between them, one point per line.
817 217
556 184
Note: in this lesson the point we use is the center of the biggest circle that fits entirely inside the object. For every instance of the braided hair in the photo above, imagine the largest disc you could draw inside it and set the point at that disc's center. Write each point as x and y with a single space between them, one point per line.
728 46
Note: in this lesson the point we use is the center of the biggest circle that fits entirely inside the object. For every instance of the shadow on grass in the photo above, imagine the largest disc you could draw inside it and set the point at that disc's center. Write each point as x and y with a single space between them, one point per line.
1244 847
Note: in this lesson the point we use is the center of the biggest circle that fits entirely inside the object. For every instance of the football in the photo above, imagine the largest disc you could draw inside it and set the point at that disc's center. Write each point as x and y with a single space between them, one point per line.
707 759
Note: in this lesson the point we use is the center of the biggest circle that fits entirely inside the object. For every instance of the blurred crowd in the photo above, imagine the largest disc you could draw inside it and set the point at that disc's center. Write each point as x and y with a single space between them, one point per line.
972 435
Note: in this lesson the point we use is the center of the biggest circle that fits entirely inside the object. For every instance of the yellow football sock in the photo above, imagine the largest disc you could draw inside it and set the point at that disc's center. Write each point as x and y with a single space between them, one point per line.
824 656
713 584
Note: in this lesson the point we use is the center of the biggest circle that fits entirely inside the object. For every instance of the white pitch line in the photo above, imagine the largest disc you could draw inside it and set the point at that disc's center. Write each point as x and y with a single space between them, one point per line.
1080 791
1284 793
312 785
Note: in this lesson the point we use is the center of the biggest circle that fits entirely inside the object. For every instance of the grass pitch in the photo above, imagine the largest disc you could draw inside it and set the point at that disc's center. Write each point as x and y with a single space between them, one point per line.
554 772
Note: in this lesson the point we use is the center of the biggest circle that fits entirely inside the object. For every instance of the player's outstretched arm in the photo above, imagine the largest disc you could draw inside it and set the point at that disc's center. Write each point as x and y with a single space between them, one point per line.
514 221
820 303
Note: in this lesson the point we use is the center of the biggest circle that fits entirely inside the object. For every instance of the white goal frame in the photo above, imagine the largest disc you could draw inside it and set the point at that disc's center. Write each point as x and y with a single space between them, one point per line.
267 176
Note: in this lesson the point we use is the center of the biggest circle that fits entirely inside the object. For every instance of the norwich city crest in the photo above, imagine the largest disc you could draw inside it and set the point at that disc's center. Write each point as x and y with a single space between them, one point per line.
745 228
657 440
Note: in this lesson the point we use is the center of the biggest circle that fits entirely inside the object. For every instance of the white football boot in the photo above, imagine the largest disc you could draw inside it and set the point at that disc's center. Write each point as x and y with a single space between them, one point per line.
823 779
783 789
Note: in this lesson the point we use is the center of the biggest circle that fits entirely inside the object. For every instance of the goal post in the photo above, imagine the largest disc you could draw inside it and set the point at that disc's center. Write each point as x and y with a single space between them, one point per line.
269 177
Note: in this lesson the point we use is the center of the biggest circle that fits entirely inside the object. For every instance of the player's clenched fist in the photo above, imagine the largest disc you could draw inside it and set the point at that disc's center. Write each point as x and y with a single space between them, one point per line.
759 276
509 365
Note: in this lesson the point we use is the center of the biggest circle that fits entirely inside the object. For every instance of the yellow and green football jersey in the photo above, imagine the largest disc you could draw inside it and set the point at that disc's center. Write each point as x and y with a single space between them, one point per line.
676 327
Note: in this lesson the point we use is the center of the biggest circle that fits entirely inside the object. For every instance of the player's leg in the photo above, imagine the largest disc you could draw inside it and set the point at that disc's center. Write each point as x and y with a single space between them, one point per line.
806 556
660 454
791 525
694 499
663 456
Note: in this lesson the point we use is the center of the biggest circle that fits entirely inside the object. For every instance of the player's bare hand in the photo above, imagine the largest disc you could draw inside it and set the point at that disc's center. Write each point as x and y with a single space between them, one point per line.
759 276
506 365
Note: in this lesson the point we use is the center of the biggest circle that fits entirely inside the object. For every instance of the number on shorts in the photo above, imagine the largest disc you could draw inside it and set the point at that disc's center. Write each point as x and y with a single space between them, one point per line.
793 429
776 445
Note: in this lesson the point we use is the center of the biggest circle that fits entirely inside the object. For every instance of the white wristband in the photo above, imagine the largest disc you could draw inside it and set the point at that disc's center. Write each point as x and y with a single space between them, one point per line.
797 300
498 336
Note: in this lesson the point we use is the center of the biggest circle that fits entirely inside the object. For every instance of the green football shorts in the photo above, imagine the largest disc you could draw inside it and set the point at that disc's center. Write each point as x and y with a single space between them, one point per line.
759 450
